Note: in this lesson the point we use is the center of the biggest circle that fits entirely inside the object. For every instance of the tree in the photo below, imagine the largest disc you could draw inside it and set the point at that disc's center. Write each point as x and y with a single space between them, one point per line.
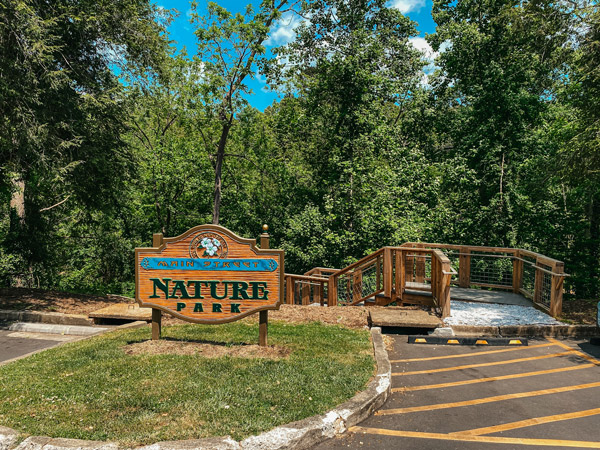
228 49
62 113
500 66
352 70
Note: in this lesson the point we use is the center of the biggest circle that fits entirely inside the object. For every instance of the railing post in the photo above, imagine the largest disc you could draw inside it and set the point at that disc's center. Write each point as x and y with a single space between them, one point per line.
537 287
517 272
357 285
305 291
387 272
464 267
378 271
289 291
318 292
556 294
420 270
409 267
399 275
332 291
321 292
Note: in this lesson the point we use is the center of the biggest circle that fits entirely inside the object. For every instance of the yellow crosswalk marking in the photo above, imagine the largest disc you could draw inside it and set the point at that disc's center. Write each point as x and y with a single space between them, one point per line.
494 363
484 439
530 422
468 355
484 380
479 401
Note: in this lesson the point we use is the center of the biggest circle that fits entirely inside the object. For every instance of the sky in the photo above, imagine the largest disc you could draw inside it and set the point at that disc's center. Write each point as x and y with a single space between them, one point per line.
182 32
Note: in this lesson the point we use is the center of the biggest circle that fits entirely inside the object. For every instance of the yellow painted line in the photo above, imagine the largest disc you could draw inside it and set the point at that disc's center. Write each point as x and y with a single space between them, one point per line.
484 439
485 380
471 366
467 355
453 341
577 352
481 342
515 342
420 341
480 401
530 422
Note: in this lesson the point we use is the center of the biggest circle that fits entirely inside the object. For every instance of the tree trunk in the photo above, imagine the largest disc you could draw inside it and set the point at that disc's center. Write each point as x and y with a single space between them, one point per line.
218 169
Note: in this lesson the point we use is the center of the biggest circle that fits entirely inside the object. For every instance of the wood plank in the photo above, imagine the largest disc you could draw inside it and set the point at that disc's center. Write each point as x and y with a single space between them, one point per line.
123 311
395 317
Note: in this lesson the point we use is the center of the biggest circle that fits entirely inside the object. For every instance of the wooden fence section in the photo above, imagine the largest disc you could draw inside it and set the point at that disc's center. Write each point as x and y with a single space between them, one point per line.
524 272
422 273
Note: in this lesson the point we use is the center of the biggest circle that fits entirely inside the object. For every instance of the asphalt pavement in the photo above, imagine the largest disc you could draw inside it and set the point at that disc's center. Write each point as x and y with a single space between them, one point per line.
544 396
15 344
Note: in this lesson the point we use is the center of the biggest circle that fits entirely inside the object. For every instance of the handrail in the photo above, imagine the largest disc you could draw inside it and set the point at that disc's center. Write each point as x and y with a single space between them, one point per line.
483 248
358 263
305 277
388 269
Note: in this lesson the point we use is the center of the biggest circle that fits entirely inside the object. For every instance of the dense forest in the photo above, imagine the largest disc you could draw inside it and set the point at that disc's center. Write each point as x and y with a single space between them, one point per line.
108 134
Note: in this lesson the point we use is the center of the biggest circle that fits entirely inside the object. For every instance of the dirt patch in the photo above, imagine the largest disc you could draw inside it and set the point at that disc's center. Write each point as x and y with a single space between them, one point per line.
580 311
25 299
205 349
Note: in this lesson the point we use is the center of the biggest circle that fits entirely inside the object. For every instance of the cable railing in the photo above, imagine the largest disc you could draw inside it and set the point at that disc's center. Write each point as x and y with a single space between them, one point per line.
422 273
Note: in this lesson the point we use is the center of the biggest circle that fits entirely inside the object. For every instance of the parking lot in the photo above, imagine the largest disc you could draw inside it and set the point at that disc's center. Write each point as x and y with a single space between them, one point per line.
545 395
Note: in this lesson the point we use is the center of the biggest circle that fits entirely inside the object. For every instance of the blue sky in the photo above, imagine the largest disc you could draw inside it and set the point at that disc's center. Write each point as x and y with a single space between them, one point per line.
182 32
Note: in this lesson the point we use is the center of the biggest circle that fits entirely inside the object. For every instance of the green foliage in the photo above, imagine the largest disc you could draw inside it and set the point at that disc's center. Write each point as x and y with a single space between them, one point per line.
498 147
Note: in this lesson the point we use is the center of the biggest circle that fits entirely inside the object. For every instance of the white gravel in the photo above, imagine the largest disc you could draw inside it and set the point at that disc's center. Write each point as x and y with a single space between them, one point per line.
493 314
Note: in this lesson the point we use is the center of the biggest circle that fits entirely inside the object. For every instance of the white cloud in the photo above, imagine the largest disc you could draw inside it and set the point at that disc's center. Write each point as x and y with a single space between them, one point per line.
284 30
406 6
428 55
423 46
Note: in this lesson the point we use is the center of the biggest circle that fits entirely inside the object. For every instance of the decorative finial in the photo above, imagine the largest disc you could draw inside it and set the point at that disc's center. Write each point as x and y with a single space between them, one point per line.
265 227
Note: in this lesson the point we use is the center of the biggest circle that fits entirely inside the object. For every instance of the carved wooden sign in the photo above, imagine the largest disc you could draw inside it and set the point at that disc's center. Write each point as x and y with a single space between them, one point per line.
209 275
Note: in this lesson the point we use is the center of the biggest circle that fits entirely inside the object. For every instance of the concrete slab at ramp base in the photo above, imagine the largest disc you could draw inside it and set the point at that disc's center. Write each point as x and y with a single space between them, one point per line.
405 318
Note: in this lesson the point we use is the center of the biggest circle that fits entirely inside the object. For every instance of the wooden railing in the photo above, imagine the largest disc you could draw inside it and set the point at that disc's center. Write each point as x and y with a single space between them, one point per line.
531 274
422 273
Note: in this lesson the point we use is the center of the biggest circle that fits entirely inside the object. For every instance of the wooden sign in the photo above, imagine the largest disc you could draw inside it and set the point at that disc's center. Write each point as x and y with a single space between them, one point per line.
209 275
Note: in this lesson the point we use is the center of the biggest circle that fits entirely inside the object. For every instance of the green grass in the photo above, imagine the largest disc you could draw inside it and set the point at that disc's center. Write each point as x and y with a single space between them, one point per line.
93 390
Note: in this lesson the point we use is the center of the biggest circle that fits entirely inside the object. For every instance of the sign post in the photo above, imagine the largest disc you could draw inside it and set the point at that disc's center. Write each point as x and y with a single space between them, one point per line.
209 275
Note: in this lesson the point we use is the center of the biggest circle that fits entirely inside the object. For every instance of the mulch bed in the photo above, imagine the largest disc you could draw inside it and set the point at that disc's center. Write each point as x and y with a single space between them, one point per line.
25 299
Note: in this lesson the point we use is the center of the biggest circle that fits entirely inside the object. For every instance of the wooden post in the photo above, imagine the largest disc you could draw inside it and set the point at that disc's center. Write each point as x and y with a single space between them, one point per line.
464 267
321 292
289 291
387 272
264 238
378 272
318 292
537 287
263 325
420 270
401 273
517 272
305 291
263 316
556 294
332 291
409 267
157 241
357 285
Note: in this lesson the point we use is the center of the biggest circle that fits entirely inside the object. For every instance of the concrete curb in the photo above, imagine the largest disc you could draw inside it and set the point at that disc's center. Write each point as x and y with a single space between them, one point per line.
45 317
73 330
297 435
527 330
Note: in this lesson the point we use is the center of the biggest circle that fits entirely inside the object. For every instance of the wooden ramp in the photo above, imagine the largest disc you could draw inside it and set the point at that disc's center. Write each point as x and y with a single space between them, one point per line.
122 311
402 317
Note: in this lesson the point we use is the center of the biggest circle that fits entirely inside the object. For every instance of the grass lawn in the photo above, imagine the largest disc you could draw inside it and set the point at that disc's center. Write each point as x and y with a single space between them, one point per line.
94 390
